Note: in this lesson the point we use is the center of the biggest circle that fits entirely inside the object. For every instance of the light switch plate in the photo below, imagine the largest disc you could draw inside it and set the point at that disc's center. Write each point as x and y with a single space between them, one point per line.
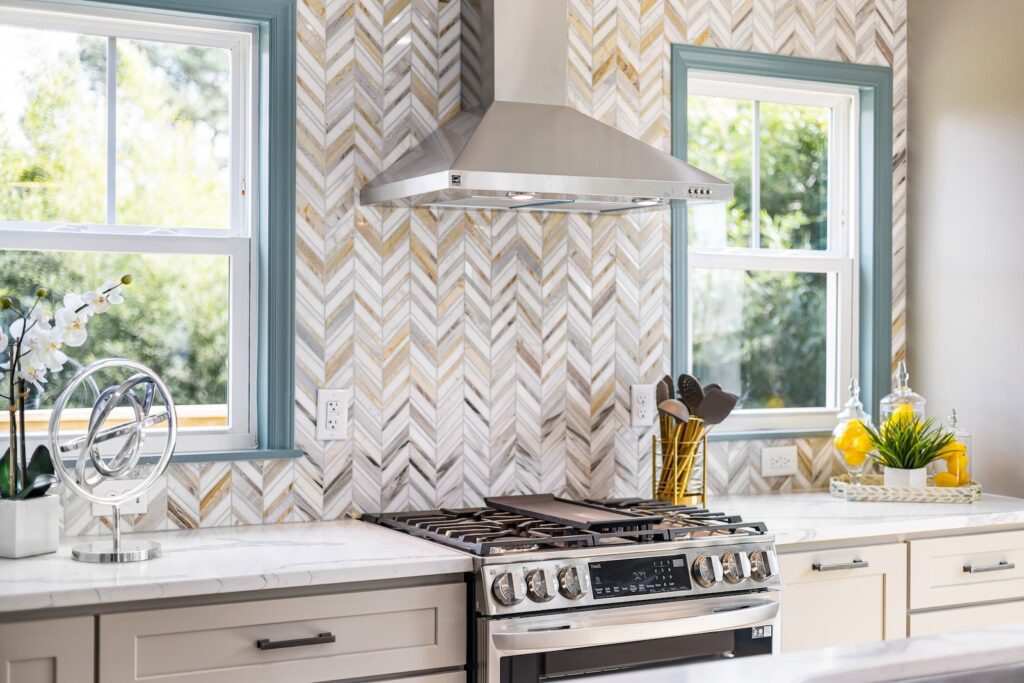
642 410
113 487
778 461
331 414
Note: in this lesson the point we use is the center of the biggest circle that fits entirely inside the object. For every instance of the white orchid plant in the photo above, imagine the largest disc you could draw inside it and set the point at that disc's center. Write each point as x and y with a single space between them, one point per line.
35 341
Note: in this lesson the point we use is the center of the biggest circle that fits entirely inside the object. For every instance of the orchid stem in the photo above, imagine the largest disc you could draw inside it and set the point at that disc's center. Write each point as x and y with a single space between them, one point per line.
12 451
22 449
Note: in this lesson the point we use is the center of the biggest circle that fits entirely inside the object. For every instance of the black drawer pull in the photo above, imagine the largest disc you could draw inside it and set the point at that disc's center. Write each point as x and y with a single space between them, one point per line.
267 644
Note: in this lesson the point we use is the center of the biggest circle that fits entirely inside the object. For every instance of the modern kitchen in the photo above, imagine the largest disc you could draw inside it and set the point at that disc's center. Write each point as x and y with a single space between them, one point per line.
505 341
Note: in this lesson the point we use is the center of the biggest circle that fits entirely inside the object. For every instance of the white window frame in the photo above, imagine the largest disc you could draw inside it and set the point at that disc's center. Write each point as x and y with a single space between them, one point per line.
239 241
839 262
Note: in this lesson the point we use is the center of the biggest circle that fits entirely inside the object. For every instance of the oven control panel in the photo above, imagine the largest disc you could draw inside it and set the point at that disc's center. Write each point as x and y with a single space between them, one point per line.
640 576
541 585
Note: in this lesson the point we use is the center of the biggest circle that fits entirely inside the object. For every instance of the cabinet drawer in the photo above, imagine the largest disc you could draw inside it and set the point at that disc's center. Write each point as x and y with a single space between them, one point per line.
843 597
376 633
47 651
966 618
939 573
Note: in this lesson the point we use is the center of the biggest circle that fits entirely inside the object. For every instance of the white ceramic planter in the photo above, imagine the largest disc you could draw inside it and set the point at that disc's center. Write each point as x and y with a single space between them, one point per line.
29 527
896 477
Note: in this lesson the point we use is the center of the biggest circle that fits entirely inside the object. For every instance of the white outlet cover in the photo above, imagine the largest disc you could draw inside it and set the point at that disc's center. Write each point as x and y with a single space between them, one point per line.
778 461
642 409
138 506
332 414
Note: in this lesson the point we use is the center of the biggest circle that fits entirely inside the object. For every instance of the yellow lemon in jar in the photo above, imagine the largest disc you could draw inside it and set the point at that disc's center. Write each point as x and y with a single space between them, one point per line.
843 441
862 443
946 479
855 428
965 477
855 458
904 411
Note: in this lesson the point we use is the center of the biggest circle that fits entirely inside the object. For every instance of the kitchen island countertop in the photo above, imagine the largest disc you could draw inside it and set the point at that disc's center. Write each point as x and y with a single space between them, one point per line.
227 560
818 517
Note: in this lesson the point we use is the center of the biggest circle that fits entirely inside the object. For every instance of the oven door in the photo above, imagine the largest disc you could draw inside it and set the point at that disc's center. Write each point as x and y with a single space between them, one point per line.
535 648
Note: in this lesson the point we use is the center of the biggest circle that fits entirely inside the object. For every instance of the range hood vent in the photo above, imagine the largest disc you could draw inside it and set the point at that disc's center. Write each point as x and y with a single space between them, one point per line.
517 145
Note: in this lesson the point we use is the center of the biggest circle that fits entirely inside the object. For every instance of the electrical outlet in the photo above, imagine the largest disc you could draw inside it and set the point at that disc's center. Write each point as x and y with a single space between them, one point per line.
778 461
331 414
642 410
110 488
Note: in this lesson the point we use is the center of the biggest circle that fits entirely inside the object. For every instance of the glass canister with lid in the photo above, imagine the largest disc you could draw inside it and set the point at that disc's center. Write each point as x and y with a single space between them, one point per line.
903 403
954 466
851 438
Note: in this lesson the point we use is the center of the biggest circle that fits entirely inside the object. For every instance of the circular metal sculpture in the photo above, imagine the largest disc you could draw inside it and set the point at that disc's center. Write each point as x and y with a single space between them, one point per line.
139 392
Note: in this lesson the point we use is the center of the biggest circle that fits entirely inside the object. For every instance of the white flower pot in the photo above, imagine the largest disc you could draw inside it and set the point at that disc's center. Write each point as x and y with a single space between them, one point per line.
896 477
29 527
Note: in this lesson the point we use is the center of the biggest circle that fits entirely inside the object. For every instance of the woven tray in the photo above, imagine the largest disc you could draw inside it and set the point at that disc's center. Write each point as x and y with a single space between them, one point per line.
871 489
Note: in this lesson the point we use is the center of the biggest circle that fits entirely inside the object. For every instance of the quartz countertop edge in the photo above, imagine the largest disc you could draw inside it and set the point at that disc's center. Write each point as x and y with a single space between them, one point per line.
818 517
226 560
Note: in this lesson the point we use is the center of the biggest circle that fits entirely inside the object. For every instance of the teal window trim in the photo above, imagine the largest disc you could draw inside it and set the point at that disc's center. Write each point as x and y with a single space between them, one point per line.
275 57
874 202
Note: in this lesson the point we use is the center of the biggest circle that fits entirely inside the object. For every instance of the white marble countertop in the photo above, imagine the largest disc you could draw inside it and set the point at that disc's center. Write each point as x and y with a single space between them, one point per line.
797 518
891 660
227 560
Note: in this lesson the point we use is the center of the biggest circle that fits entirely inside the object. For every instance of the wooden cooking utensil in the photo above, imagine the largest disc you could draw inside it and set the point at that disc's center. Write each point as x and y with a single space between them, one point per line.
715 407
667 379
713 385
676 409
690 392
661 393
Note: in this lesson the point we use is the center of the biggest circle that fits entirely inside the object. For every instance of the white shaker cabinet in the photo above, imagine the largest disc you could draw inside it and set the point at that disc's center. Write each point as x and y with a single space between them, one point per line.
48 651
843 596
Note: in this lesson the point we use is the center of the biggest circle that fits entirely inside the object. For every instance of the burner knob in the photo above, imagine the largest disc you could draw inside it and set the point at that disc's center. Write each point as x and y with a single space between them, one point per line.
507 590
735 566
539 587
763 565
707 570
570 583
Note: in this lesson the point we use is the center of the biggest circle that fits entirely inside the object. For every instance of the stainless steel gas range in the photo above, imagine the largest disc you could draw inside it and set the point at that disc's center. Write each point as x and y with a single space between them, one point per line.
564 587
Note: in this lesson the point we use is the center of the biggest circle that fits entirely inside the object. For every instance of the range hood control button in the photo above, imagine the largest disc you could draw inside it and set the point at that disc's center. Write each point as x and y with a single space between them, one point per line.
735 567
506 590
570 584
538 587
707 570
763 564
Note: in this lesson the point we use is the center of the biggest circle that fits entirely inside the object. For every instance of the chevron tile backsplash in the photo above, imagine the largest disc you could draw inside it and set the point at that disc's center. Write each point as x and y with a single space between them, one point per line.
493 352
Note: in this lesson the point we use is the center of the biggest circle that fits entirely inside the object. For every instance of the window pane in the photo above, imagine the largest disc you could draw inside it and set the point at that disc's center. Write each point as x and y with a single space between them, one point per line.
761 335
720 141
794 176
52 126
173 137
174 319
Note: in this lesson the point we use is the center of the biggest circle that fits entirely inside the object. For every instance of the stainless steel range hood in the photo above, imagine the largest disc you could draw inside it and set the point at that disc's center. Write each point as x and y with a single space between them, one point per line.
517 145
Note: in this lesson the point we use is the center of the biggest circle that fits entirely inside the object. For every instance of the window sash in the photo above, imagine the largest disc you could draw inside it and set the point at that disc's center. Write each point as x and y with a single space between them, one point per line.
839 260
238 241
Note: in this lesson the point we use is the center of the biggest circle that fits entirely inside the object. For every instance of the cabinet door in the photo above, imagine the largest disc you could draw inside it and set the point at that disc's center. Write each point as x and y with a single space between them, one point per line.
47 651
966 618
843 597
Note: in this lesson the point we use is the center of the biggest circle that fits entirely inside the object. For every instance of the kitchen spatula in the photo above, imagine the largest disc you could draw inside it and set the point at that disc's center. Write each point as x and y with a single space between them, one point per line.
690 392
715 407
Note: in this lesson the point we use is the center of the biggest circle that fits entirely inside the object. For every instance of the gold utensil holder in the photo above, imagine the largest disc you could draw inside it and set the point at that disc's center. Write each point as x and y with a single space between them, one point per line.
679 463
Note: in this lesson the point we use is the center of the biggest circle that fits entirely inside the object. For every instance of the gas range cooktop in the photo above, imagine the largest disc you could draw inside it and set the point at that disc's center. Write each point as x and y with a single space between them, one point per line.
520 524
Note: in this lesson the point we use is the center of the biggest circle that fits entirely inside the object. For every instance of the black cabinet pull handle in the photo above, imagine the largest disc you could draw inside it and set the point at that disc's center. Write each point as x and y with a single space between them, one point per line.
267 644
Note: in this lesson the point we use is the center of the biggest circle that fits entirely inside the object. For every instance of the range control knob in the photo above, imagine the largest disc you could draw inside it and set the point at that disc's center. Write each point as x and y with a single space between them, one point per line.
506 589
540 587
763 565
735 566
707 570
570 583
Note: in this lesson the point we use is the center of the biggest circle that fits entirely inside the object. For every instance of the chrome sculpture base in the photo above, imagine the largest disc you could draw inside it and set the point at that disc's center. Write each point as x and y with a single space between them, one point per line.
107 552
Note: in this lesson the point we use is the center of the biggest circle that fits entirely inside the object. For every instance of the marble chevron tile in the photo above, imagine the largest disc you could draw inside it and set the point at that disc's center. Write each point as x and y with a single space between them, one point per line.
493 352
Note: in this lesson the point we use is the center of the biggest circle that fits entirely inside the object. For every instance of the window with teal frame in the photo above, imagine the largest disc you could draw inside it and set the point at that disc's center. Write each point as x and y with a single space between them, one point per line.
785 293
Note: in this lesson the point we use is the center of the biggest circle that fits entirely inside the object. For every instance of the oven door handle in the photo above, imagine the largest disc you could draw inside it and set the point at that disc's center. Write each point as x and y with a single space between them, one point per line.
523 642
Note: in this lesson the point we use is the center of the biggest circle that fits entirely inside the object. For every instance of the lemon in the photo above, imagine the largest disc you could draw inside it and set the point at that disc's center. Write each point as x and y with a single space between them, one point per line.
965 477
855 458
862 443
855 428
946 479
843 441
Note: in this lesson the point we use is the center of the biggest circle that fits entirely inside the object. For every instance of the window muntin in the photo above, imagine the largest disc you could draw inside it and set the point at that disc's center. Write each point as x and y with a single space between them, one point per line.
173 167
772 299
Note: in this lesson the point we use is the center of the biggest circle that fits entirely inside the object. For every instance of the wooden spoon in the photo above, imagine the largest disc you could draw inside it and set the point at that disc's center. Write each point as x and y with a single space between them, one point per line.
675 409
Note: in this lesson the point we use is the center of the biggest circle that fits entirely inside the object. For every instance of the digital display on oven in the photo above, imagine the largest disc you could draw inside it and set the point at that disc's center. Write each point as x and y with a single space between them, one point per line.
639 576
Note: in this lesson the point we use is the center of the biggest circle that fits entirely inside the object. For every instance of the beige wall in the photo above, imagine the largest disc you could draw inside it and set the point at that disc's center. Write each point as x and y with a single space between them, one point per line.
966 233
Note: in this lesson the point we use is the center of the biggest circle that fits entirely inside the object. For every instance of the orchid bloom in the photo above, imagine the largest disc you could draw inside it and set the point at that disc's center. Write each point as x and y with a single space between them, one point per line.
71 325
98 302
32 371
41 317
45 346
